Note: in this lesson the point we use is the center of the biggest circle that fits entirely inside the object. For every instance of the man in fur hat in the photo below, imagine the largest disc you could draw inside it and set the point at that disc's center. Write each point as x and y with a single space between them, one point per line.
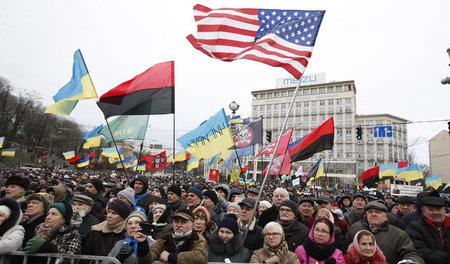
16 186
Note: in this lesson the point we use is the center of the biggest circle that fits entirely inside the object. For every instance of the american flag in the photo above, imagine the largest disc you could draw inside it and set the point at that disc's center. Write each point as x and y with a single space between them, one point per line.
280 38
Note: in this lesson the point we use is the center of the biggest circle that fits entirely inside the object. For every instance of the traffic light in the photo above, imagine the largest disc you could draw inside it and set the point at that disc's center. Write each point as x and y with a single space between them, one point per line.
448 123
359 133
269 136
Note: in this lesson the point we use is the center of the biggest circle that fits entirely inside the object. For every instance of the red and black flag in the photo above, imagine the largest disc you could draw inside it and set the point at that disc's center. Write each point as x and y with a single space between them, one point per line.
370 176
318 140
149 93
74 160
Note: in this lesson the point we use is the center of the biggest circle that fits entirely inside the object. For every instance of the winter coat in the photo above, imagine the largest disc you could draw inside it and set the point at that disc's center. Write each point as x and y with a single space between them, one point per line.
98 209
353 257
295 233
30 227
255 236
11 233
192 251
306 258
269 215
262 254
85 228
393 242
102 239
233 250
131 259
66 240
210 228
180 204
434 247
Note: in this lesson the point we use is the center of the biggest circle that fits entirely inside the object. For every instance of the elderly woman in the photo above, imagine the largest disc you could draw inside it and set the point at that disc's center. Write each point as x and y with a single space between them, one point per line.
319 247
104 236
364 249
161 221
11 233
263 205
226 243
202 222
125 250
233 208
275 249
56 235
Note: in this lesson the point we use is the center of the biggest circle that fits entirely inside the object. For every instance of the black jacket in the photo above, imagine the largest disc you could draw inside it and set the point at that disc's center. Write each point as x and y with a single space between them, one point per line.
85 228
428 241
30 227
268 215
255 236
295 234
233 250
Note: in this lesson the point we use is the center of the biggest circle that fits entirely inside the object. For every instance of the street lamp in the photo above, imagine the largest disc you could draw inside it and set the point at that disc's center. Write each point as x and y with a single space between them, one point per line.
446 80
233 107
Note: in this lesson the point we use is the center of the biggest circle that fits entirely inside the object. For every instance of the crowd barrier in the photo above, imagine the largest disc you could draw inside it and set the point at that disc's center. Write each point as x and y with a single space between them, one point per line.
73 258
58 257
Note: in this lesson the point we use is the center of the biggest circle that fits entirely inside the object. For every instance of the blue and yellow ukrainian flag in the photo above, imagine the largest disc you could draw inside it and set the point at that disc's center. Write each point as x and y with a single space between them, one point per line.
93 133
79 87
210 138
192 163
410 173
83 162
2 140
69 154
112 153
92 142
434 182
388 170
235 119
446 186
11 152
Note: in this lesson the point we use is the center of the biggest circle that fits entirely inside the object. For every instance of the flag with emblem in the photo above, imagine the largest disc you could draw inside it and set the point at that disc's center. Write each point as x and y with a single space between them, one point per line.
281 165
213 175
279 38
282 147
249 135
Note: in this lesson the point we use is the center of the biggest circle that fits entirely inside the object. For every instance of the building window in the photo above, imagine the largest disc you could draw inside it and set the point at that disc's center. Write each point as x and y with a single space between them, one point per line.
283 106
298 111
269 107
255 108
277 94
306 104
261 107
263 96
283 94
305 111
275 107
269 95
322 110
348 101
330 90
330 102
298 105
322 90
339 88
338 101
291 93
313 103
322 102
306 91
313 90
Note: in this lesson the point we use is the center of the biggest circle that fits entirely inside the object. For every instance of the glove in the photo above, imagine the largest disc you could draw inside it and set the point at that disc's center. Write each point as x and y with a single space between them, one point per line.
34 244
124 252
274 259
47 232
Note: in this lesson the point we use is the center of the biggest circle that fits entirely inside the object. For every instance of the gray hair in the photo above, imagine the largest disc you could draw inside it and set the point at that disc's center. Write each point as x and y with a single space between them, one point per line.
282 190
273 225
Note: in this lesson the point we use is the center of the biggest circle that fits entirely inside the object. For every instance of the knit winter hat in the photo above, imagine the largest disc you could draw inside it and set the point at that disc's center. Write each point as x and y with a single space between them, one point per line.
205 212
139 214
265 203
159 206
121 207
291 204
5 211
234 205
229 221
128 193
196 191
176 189
211 195
98 185
64 208
162 191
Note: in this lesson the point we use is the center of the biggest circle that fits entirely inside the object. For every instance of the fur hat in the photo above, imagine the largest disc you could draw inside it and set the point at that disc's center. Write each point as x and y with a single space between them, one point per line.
14 217
45 198
176 189
18 180
229 221
128 193
121 207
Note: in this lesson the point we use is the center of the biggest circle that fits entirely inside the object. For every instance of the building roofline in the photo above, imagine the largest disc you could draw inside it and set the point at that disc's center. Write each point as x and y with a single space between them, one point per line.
306 86
385 114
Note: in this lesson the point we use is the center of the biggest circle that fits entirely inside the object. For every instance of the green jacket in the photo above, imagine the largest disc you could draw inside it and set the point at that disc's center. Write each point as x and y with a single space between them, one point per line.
393 242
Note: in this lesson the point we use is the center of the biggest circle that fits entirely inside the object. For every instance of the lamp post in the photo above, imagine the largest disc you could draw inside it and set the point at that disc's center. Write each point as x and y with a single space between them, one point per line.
234 107
446 80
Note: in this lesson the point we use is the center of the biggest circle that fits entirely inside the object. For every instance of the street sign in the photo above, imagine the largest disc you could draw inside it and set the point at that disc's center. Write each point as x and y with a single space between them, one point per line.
382 131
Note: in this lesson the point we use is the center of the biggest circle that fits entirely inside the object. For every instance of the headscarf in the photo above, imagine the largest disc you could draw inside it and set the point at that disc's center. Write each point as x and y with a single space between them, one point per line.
356 242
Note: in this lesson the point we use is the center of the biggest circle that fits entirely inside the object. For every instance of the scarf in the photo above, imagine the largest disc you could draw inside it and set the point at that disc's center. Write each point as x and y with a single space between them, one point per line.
179 240
138 197
281 251
318 252
131 242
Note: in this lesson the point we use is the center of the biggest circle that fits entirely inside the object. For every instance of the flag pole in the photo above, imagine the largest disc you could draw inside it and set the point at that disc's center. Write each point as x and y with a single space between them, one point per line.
173 148
114 141
272 159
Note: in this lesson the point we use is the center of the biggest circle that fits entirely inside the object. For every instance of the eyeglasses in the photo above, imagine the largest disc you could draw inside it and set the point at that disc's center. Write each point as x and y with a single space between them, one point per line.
323 232
272 234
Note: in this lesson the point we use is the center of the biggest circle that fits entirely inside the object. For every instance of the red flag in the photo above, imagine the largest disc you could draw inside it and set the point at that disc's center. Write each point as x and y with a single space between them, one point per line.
282 147
370 176
44 157
245 168
156 162
403 164
213 175
91 155
279 38
281 165
318 140
148 93
74 159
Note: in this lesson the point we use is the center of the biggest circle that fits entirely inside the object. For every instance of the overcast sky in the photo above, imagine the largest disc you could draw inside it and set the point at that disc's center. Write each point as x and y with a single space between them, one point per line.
395 51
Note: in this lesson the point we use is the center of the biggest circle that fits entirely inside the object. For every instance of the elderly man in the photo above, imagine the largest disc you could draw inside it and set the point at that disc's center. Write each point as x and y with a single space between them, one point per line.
306 208
357 211
37 205
405 206
83 203
194 198
271 214
255 237
16 186
430 234
393 242
183 245
295 232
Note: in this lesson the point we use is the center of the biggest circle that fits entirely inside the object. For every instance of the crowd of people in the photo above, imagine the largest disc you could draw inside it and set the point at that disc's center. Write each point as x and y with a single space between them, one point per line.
150 219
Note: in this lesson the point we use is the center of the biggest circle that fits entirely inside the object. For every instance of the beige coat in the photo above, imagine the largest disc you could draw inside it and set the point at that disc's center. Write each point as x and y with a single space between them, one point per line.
262 254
